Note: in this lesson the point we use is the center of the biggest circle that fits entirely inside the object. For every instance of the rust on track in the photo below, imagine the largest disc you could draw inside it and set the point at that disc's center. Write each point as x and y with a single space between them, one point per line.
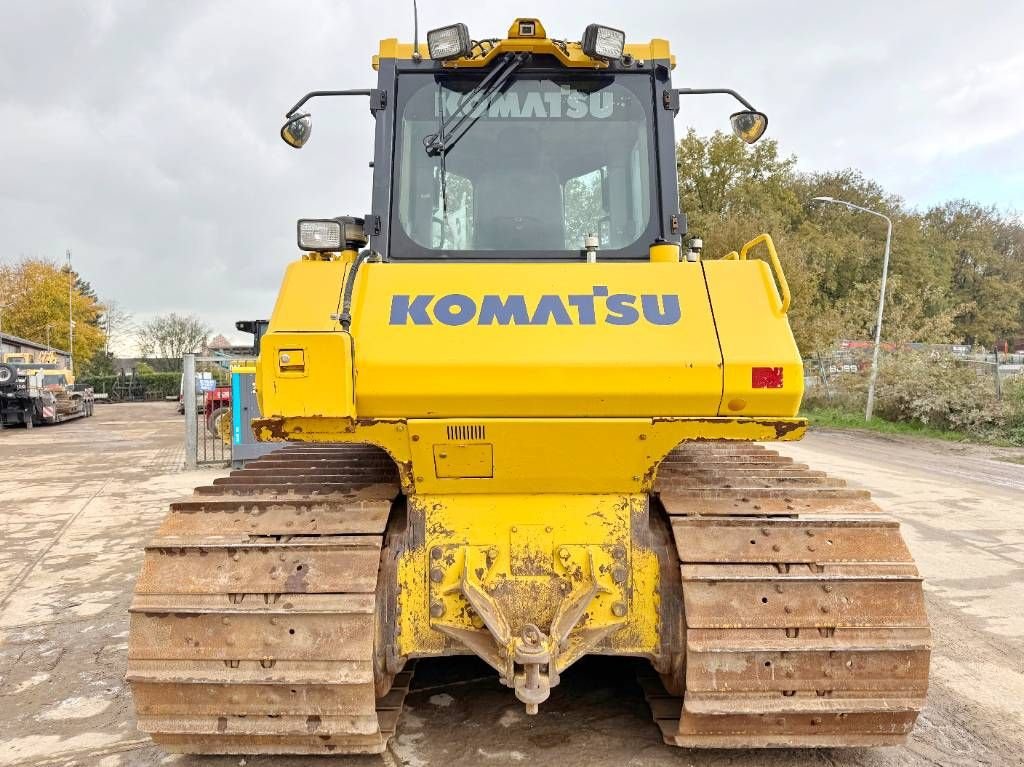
804 612
252 623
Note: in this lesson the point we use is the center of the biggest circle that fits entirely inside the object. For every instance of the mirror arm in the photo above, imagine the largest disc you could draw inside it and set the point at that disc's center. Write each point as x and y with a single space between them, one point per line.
704 91
377 98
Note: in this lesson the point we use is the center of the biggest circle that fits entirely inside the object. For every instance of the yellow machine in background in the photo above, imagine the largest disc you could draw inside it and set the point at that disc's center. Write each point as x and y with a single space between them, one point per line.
521 411
39 388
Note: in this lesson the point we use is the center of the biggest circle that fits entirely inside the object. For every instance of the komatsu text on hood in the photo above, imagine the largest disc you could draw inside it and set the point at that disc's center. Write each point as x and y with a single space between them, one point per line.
600 306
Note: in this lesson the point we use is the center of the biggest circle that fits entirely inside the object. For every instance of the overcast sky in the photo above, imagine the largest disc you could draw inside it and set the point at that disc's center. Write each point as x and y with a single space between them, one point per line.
144 135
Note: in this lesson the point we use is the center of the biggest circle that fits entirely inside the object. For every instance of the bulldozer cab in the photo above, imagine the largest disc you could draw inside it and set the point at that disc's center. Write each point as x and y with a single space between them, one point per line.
527 169
523 148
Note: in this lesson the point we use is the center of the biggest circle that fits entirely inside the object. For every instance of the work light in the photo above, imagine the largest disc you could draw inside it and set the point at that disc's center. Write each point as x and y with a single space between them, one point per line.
603 42
327 235
319 235
450 42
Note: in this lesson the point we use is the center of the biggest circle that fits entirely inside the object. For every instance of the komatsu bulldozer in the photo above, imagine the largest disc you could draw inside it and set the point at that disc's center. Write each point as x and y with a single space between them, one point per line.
519 409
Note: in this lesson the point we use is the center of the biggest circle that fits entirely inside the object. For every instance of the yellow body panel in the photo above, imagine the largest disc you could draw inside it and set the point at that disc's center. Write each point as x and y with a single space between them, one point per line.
480 368
309 295
753 332
278 380
558 394
533 455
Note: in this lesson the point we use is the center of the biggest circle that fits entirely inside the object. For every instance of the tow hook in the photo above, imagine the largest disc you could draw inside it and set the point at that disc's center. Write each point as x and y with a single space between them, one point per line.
531 651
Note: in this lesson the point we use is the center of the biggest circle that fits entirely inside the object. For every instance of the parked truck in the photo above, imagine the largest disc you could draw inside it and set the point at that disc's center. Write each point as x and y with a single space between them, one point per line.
39 389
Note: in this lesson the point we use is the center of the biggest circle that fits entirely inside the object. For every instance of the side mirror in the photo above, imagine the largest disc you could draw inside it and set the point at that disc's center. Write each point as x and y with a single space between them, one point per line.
749 125
296 131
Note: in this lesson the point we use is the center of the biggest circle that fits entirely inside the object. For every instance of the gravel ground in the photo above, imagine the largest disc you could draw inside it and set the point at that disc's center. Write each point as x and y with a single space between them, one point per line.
80 499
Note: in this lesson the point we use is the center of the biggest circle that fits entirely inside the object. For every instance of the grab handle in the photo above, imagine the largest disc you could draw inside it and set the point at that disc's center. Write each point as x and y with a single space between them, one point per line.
773 257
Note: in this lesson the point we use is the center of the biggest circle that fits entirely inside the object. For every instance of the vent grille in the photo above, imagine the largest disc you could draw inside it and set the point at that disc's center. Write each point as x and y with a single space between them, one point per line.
467 432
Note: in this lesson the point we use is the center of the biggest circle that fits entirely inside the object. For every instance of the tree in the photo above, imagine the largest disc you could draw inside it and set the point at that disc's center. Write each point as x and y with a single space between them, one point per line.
985 250
168 337
584 209
101 364
720 177
956 271
118 324
34 292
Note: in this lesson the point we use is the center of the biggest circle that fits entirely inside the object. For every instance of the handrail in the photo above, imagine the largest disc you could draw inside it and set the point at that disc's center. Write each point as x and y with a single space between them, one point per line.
780 276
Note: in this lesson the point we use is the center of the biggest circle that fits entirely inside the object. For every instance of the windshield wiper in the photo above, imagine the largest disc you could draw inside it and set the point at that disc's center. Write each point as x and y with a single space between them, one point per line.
453 127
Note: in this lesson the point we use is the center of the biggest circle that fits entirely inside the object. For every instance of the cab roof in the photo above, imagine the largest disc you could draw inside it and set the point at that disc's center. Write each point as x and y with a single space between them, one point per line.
570 55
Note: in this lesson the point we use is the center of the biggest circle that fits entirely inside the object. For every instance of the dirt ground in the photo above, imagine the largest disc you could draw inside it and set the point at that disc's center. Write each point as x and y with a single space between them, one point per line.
78 501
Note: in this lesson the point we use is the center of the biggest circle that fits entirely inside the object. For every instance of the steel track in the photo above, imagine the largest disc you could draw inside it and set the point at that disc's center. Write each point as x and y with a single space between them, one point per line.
804 612
256 610
252 625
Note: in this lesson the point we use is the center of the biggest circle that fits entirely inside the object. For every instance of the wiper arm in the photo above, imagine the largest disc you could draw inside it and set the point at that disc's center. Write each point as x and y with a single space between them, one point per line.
455 125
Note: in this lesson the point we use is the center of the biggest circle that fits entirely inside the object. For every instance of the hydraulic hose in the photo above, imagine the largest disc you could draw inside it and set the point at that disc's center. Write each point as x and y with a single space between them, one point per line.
345 317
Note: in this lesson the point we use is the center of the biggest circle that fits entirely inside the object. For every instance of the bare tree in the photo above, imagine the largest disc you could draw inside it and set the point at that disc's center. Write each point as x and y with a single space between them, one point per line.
167 337
118 325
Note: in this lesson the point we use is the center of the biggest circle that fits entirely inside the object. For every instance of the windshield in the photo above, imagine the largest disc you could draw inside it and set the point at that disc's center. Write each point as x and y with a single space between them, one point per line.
546 162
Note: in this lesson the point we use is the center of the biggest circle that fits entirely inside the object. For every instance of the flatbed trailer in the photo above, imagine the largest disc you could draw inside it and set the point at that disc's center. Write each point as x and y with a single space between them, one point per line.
28 398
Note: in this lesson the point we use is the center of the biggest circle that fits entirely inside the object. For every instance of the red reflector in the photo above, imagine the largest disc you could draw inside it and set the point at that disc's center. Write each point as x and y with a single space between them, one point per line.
766 378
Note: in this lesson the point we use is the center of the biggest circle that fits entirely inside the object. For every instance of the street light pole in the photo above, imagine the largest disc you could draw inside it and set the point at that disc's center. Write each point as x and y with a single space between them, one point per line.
869 409
71 321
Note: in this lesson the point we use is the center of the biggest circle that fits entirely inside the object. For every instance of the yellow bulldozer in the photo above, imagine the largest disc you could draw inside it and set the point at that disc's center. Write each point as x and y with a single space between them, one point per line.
521 410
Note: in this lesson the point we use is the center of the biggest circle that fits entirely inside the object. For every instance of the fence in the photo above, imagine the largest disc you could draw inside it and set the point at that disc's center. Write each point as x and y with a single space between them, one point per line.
843 372
218 410
977 395
207 409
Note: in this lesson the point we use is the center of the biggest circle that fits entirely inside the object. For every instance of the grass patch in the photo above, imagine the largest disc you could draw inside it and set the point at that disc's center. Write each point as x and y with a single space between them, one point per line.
834 418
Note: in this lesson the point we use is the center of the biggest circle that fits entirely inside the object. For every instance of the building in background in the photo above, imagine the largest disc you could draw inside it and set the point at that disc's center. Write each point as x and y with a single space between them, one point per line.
14 345
218 347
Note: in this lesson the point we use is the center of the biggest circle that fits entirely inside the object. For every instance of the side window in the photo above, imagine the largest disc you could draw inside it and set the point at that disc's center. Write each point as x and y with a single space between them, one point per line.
584 208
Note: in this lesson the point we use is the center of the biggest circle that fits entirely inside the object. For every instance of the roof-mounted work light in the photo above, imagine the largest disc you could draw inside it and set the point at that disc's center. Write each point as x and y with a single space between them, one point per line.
603 42
451 42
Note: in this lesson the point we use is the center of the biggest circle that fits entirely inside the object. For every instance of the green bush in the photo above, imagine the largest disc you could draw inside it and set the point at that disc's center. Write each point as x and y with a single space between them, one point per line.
154 385
160 385
938 391
99 384
1013 397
